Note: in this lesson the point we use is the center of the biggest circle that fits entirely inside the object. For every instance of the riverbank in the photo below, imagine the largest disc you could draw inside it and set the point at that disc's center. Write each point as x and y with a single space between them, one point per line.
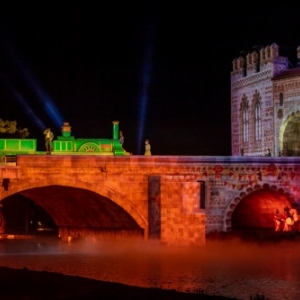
27 284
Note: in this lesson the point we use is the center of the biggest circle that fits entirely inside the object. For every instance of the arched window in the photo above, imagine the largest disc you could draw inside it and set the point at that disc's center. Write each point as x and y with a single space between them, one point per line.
280 99
257 116
245 125
257 121
245 119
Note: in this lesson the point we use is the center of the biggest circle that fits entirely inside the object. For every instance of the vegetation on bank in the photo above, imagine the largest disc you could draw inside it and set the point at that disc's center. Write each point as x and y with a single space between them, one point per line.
9 129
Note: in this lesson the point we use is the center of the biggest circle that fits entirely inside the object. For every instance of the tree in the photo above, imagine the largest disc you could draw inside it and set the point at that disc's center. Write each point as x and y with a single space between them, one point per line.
8 129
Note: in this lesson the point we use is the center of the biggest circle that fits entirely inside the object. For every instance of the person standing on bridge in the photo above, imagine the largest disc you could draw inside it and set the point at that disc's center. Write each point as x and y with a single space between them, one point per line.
121 138
48 140
147 148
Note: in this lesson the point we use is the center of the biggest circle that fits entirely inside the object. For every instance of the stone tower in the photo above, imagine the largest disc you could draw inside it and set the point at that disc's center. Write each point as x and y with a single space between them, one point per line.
265 104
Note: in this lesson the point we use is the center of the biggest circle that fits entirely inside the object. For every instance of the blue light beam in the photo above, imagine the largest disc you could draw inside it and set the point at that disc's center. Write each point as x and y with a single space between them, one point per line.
147 67
40 124
48 104
24 104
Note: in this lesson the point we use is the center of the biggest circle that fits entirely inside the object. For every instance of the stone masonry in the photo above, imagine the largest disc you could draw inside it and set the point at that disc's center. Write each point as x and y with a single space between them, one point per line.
175 195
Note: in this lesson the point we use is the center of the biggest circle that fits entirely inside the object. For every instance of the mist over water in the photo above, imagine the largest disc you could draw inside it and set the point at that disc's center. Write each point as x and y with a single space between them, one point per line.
232 268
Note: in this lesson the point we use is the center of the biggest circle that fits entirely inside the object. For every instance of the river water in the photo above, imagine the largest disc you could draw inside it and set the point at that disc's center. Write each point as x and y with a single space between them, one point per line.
231 268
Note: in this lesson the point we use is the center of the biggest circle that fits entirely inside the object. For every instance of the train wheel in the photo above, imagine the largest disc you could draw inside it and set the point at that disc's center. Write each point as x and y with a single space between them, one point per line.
89 147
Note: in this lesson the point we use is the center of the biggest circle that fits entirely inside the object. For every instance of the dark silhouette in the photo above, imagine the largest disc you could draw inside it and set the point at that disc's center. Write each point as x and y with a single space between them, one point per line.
27 284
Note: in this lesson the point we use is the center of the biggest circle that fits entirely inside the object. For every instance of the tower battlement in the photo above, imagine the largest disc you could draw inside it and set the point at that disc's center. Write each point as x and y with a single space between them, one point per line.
260 59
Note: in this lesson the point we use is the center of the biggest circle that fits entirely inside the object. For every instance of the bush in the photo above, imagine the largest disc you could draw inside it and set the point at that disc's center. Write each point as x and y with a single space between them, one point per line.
8 129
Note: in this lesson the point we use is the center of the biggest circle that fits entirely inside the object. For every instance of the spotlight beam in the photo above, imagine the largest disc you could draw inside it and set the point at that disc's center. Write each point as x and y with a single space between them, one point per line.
48 104
147 67
33 116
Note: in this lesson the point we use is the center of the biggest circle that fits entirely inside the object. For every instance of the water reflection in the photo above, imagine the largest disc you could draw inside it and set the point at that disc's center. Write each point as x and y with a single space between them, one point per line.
229 268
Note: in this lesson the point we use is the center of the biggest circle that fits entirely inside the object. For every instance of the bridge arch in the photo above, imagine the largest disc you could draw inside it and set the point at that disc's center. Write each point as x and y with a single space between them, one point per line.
80 207
287 199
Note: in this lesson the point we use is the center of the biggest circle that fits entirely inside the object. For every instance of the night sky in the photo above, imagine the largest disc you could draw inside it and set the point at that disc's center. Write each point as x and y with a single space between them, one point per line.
162 70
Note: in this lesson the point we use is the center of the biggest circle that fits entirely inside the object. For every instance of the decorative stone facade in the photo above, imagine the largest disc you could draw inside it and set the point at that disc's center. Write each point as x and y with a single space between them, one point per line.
265 103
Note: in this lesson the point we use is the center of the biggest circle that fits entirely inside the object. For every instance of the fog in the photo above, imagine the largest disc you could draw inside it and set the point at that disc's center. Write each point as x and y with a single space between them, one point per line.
230 267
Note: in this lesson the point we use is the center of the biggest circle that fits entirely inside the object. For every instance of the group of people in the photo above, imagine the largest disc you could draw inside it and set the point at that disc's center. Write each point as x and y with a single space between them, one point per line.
287 221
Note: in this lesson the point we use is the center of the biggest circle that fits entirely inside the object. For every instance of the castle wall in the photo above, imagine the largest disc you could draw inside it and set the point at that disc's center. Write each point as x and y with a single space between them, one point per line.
261 84
251 79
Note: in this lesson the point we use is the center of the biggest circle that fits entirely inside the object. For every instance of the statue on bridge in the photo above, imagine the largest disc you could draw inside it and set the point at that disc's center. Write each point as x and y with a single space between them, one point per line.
147 148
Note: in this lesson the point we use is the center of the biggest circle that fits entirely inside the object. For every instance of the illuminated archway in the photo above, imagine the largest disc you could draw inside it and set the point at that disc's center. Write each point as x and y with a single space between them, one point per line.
254 208
290 135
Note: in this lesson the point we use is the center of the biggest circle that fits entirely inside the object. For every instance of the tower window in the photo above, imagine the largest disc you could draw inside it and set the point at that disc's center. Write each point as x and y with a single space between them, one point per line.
245 119
280 99
257 116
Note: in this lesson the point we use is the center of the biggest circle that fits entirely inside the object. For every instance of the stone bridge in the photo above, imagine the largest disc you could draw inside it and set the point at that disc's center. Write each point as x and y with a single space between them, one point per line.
175 199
